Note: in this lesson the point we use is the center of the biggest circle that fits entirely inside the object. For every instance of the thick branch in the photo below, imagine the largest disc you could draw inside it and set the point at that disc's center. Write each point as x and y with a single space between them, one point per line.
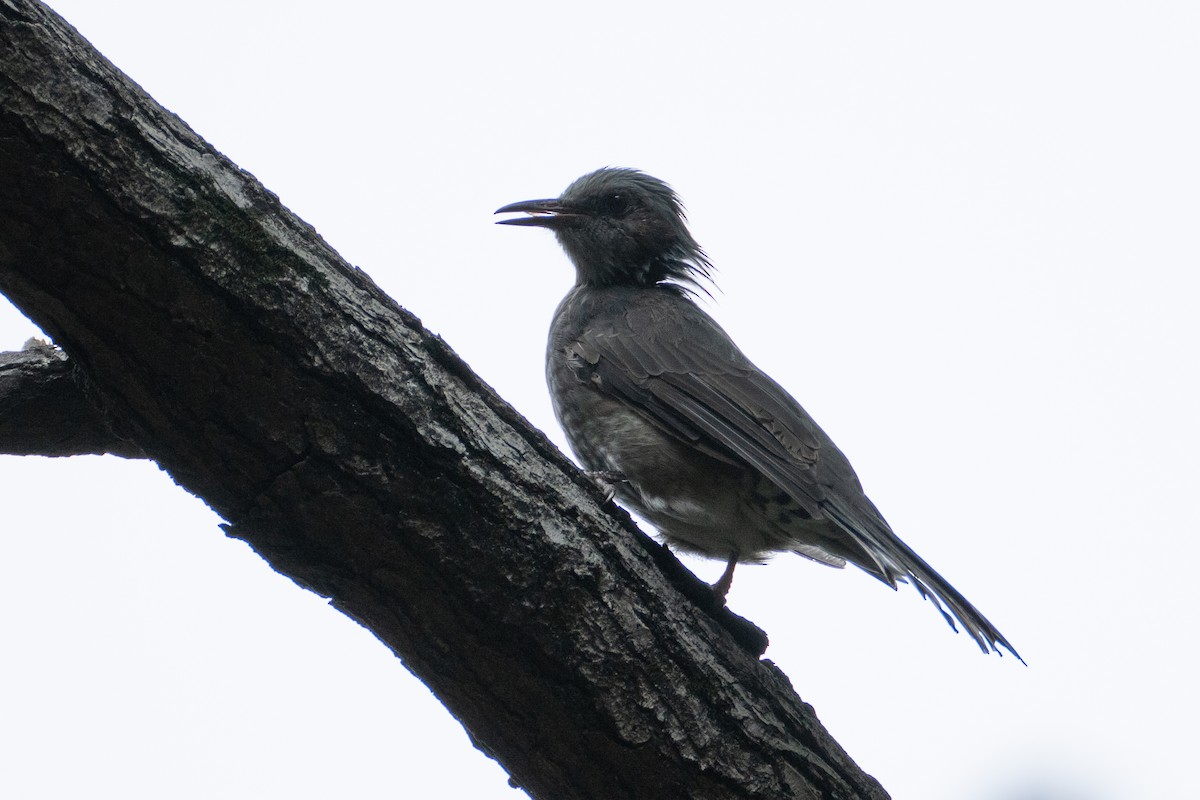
223 338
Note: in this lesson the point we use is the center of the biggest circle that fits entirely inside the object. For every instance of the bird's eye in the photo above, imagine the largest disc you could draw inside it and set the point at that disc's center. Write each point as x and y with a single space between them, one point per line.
616 204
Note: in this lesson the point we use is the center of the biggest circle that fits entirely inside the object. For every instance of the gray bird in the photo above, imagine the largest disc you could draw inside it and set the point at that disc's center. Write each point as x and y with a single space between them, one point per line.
658 401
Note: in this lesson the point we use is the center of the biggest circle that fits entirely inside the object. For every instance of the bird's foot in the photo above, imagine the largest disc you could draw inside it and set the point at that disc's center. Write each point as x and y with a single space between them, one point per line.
721 588
606 480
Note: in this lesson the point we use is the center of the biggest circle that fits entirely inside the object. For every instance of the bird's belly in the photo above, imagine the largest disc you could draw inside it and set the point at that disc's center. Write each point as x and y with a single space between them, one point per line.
696 502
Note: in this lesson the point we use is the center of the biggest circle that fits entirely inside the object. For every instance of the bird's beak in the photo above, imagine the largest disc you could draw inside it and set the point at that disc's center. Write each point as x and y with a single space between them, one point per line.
543 213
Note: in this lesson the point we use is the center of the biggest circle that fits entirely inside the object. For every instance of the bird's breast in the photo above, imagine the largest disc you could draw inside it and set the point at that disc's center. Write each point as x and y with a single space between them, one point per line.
684 493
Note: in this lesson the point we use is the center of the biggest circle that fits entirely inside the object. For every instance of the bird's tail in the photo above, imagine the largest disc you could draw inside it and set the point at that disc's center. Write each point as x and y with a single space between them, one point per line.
894 562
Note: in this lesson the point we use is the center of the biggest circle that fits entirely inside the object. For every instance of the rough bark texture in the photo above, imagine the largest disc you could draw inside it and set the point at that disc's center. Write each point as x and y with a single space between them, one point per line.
213 331
45 412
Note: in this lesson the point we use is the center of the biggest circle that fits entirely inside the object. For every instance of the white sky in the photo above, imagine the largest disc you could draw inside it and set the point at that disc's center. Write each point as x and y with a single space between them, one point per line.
963 235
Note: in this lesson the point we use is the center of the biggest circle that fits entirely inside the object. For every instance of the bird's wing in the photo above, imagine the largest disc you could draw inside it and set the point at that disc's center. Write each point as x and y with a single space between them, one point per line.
673 363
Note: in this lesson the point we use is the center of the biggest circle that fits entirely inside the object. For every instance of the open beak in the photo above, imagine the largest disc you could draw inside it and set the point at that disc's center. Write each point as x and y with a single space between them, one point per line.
542 213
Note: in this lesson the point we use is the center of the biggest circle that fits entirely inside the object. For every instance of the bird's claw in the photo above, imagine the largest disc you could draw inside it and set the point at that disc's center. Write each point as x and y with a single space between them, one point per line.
606 480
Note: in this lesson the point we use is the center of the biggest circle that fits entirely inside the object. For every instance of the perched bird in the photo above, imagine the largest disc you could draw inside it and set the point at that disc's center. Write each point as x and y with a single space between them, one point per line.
658 401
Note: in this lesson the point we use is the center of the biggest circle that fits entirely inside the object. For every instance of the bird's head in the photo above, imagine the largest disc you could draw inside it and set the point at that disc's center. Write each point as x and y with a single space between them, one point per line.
619 227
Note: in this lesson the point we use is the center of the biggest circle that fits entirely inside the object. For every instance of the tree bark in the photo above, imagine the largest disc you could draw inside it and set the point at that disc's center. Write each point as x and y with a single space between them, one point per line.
208 328
44 410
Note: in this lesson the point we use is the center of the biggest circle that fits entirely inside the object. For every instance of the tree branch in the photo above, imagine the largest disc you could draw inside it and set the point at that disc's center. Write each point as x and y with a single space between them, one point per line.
45 411
219 335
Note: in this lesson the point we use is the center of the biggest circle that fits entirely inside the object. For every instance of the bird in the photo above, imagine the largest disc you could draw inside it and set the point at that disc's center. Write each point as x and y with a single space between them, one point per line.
662 407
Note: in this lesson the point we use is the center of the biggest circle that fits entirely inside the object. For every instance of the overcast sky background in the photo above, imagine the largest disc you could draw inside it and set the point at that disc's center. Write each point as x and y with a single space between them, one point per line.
964 236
